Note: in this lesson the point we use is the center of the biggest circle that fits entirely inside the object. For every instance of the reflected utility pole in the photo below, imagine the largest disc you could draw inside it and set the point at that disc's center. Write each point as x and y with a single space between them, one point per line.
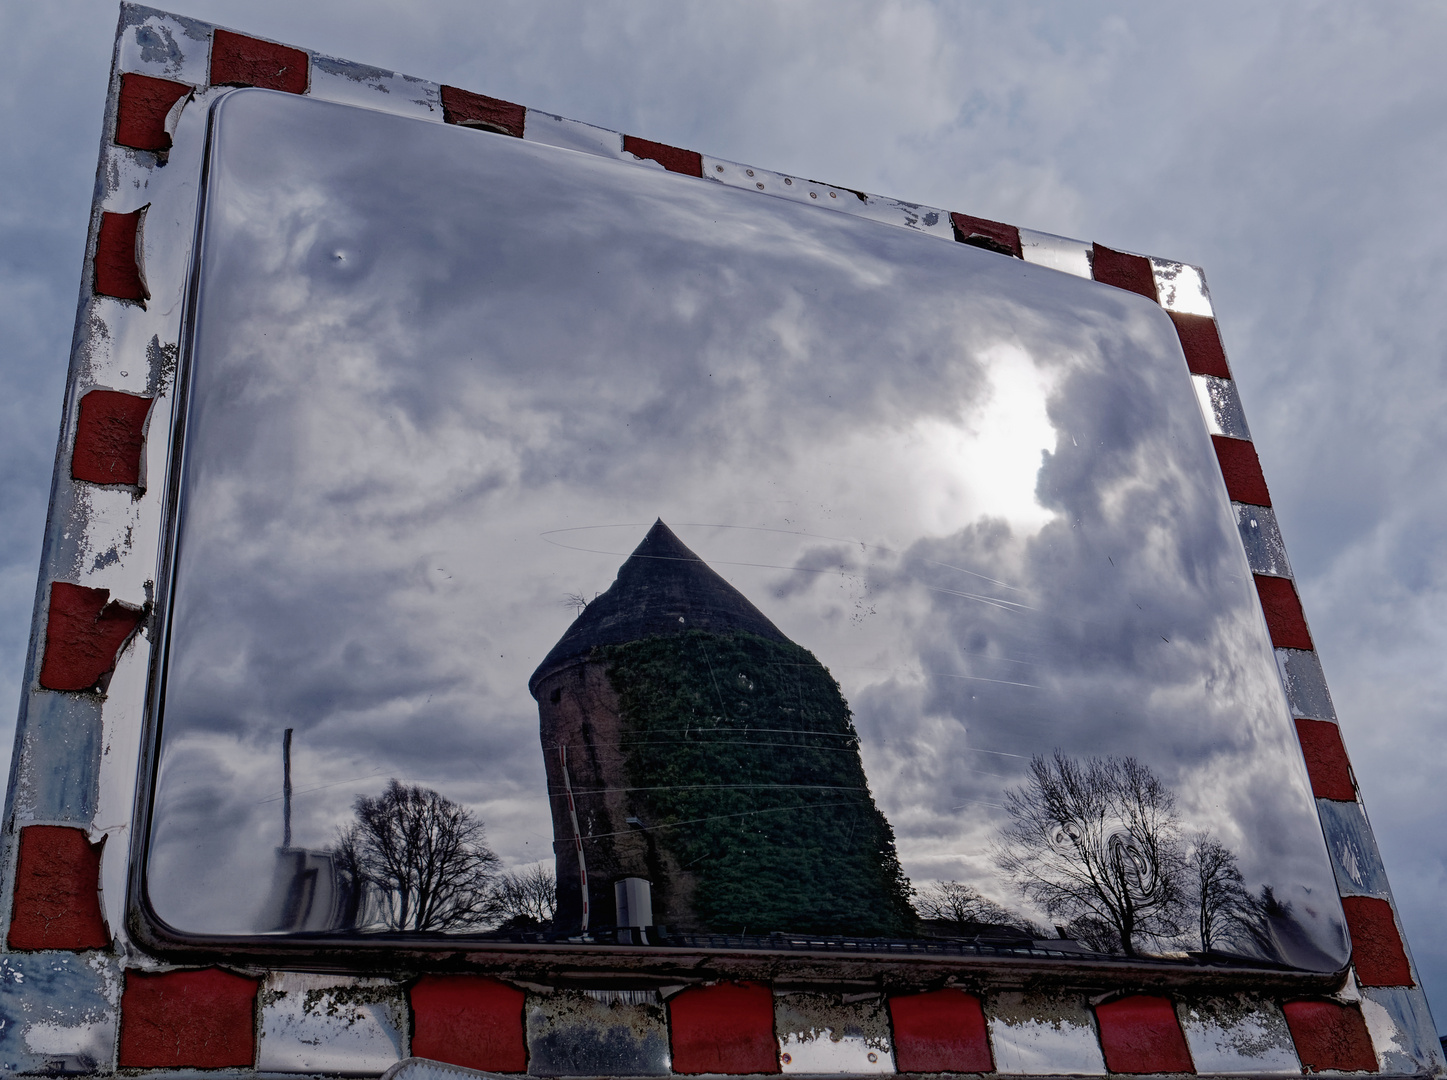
286 789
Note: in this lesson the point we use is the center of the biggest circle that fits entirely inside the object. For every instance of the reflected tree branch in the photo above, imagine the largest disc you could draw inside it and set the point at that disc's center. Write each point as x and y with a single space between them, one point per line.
1097 844
420 856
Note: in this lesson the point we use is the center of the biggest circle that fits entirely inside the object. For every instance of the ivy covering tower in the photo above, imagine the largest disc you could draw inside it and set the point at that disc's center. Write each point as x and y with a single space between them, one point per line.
710 755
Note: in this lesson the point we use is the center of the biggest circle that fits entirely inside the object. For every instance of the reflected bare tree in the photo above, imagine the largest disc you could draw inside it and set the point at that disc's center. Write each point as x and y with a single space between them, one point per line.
420 857
960 909
1097 845
525 899
1224 907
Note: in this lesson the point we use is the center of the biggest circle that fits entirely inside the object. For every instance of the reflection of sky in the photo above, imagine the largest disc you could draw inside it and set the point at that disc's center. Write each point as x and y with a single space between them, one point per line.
445 379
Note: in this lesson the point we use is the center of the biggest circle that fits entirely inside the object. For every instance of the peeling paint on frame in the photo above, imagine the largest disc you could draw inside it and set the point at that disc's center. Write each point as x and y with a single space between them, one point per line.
330 1023
571 1033
1044 1034
1240 1034
58 1012
825 1033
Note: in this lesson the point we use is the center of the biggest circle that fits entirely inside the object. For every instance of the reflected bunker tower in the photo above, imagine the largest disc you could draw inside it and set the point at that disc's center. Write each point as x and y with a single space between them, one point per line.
691 745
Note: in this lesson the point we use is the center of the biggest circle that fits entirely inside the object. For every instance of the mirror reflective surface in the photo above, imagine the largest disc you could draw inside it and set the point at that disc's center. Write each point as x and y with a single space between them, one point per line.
573 551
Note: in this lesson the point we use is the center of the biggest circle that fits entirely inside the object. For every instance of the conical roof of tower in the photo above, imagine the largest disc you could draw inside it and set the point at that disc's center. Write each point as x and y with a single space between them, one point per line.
663 588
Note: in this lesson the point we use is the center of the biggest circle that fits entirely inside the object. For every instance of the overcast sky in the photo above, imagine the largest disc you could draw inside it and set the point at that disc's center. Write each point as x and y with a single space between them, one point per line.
416 422
1287 149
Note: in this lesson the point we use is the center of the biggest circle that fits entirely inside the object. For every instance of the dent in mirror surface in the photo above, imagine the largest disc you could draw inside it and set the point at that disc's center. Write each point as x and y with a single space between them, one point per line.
571 551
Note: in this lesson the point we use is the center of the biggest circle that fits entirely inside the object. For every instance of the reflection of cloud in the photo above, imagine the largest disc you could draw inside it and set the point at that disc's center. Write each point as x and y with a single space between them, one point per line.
831 559
1035 549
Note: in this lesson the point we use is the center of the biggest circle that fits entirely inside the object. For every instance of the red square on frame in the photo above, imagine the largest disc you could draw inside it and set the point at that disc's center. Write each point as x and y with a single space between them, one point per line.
1326 760
110 435
1330 1036
203 1019
1377 951
1123 270
238 60
84 634
1201 342
470 1021
1140 1034
141 110
57 891
727 1028
1282 608
1241 469
118 258
941 1031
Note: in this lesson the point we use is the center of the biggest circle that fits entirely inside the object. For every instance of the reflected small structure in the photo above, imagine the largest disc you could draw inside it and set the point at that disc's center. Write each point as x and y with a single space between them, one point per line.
307 893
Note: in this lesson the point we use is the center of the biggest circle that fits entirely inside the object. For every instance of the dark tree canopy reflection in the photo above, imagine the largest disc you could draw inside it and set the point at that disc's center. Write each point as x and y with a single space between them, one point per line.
419 860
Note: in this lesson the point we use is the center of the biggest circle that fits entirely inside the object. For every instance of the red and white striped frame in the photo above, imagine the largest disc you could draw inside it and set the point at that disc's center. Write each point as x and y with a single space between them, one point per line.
77 995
